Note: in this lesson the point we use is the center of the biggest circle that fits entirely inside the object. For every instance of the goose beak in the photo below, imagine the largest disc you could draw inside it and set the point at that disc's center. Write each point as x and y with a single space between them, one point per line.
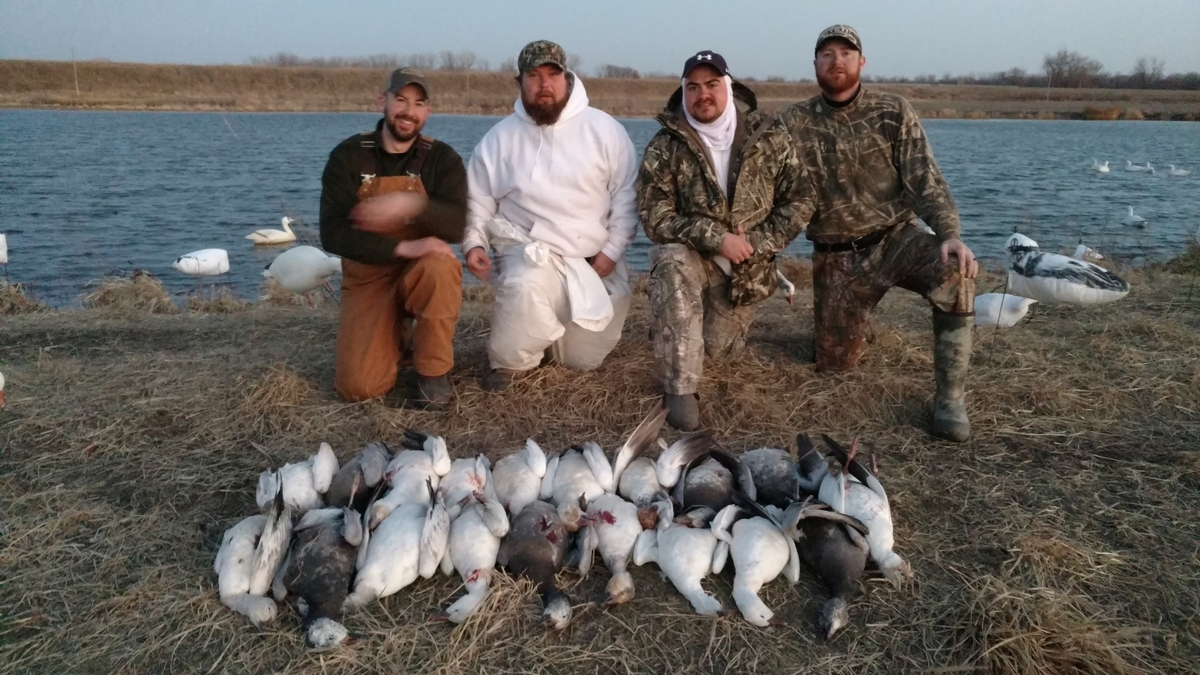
440 617
1 399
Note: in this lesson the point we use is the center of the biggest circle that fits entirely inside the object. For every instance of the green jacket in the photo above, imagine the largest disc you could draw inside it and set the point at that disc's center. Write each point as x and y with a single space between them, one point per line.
770 194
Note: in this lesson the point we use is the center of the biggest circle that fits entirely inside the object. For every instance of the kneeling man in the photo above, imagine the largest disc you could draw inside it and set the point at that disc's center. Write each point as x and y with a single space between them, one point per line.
391 199
721 192
551 193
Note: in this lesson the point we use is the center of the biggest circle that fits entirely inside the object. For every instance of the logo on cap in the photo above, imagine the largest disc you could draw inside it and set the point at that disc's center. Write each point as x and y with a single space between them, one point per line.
704 57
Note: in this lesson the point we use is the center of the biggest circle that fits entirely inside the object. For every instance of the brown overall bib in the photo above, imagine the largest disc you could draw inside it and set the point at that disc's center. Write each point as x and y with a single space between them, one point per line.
380 303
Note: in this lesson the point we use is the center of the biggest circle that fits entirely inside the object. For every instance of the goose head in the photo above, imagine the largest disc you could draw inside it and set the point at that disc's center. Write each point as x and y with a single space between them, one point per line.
1019 243
620 590
325 633
557 613
697 517
833 617
285 222
574 514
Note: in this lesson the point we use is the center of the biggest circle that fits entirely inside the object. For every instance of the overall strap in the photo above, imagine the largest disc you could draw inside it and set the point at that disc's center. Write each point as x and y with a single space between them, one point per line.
424 145
368 163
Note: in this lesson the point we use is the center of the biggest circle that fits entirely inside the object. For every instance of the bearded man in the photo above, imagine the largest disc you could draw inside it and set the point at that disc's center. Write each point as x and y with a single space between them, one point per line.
551 194
720 192
875 176
392 202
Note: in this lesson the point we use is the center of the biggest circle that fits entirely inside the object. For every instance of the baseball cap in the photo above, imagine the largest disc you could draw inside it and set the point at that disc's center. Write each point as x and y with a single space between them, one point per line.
540 53
840 32
706 57
402 77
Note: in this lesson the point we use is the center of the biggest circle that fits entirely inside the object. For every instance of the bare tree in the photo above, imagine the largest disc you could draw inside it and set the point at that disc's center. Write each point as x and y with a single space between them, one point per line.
621 72
508 65
449 60
422 61
1071 69
1147 72
574 62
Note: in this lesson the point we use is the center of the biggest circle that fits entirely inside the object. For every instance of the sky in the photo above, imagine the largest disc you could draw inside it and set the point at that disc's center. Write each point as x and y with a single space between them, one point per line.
758 38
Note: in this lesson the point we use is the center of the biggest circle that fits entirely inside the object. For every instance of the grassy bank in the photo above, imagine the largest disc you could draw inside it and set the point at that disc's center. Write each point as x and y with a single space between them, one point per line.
1061 539
131 86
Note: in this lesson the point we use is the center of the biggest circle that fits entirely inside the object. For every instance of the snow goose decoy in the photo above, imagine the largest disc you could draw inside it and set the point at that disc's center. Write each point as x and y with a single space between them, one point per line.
320 565
1172 172
760 552
1084 252
359 477
1100 168
1130 166
536 548
424 458
1054 278
855 492
685 555
834 546
208 262
518 477
3 249
304 269
1132 219
1001 309
269 236
302 483
477 526
234 566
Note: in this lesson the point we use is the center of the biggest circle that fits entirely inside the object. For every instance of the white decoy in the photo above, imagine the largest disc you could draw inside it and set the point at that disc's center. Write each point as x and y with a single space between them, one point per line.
1149 167
3 249
1001 309
685 555
1130 166
518 477
760 552
269 236
1173 172
1100 168
855 492
1133 220
1055 278
208 262
425 458
1084 252
303 269
302 483
234 565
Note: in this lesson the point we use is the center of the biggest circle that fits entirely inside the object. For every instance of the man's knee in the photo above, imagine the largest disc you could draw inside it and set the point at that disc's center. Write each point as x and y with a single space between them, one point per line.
434 286
353 385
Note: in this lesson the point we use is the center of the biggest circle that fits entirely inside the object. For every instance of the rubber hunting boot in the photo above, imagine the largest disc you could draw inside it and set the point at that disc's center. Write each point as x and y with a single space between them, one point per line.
434 391
683 411
498 379
951 358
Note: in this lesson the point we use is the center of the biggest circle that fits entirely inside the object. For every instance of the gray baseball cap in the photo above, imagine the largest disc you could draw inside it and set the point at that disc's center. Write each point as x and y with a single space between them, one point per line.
402 77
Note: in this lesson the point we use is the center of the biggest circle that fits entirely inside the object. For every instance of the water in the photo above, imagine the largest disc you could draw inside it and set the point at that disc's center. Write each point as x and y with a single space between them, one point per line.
88 194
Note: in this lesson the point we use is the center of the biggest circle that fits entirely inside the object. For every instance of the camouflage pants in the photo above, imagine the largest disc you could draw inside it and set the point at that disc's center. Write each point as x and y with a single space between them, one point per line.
691 315
848 284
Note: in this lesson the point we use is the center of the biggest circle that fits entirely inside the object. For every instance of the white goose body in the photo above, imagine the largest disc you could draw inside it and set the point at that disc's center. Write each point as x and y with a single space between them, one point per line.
410 542
425 460
571 475
1100 168
208 262
518 477
1178 172
269 236
617 527
1132 219
303 269
760 553
1001 309
639 483
1130 166
3 249
1054 278
303 483
685 555
472 552
234 566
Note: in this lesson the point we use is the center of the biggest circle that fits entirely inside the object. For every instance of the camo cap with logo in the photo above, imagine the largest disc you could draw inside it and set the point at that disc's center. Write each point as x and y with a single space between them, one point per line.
839 32
540 53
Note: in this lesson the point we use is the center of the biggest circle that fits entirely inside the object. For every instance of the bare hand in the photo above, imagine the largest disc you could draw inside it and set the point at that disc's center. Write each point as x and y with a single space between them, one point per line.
388 214
967 266
479 264
736 247
603 265
426 246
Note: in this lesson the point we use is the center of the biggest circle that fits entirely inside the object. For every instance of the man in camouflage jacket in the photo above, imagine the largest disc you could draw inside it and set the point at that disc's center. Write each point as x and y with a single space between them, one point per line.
720 192
875 175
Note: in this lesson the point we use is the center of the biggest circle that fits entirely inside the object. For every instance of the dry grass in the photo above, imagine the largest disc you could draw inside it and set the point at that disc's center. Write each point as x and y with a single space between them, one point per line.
220 300
106 85
277 296
1061 539
140 291
14 299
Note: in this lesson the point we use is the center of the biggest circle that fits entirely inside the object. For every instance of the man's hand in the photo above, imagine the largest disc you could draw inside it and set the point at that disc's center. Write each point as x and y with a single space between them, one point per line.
603 265
419 248
736 247
967 266
479 264
388 214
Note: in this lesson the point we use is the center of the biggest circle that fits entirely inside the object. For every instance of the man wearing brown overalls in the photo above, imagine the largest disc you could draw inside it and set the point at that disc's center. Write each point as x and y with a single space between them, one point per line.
391 199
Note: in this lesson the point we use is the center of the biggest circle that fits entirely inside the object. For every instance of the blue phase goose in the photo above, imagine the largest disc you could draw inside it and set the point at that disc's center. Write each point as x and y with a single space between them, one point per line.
834 545
318 570
536 548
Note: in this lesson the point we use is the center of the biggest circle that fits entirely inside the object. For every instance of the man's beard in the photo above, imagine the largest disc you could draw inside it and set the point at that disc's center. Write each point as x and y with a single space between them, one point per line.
848 83
544 114
394 128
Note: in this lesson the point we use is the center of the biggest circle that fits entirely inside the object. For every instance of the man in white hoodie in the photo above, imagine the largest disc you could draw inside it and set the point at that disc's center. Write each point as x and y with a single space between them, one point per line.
551 193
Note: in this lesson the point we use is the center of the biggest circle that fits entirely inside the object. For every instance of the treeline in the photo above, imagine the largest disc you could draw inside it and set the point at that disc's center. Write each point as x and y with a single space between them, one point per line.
1070 70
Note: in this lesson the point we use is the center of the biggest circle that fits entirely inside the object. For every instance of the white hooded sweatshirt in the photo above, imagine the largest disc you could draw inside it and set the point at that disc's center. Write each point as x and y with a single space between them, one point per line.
569 185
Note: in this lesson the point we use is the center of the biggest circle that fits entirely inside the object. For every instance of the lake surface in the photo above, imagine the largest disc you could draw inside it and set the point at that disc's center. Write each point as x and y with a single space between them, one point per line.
88 194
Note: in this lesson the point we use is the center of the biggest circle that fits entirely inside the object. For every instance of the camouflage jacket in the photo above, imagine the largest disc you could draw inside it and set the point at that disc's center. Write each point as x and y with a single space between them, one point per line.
770 196
871 165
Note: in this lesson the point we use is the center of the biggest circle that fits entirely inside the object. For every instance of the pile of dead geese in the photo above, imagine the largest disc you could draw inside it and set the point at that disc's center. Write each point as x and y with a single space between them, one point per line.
332 538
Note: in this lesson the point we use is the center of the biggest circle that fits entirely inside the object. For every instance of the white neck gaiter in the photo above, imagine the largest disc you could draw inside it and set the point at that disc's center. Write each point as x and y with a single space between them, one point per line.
717 135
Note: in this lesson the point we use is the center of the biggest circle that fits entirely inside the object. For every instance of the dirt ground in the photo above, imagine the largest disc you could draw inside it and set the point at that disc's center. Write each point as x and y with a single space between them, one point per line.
1062 538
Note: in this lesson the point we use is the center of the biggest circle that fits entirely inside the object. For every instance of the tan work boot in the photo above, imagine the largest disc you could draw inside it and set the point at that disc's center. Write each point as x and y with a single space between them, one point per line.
951 358
683 411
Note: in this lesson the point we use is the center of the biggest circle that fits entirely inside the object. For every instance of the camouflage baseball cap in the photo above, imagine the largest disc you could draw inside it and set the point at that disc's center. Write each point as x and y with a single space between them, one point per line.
839 32
402 77
540 53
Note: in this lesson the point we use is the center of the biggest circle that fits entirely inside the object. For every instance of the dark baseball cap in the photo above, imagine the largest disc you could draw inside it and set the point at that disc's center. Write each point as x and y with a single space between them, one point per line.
839 32
540 53
708 58
402 77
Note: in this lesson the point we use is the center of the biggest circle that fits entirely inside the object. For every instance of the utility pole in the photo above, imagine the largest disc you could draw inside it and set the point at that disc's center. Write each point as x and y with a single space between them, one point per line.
76 72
